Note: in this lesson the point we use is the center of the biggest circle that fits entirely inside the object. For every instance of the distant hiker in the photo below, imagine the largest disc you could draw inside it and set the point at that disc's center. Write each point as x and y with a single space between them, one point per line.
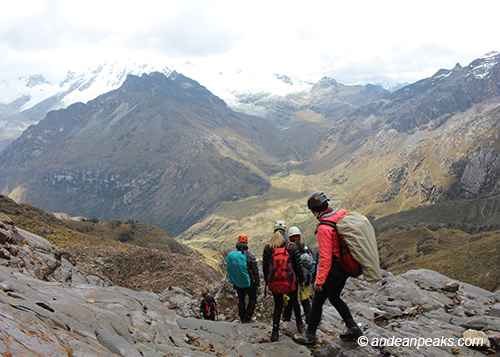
305 294
283 272
243 273
280 226
208 307
330 278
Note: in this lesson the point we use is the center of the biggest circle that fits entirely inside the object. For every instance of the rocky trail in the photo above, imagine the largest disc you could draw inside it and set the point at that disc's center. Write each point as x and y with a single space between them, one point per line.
51 308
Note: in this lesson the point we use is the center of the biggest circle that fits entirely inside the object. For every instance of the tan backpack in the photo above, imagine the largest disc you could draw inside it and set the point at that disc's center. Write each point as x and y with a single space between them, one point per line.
358 234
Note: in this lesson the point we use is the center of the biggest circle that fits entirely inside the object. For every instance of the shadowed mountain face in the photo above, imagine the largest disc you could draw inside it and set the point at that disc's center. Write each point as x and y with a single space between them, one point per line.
162 150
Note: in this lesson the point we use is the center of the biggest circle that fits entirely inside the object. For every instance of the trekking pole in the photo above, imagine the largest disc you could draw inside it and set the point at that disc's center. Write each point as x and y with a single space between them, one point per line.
316 263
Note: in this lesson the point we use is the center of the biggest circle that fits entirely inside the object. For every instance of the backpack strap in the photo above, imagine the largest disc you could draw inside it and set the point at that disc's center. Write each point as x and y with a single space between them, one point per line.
287 245
344 249
327 223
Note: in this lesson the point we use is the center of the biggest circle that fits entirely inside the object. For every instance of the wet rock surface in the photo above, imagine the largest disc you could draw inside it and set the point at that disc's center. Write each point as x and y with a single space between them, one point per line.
50 307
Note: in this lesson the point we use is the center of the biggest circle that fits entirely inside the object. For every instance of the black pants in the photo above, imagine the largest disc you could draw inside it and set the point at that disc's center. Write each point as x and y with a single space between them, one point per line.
331 290
306 305
278 307
246 311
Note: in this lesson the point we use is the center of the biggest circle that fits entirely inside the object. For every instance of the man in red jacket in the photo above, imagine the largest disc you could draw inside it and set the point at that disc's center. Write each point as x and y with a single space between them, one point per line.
330 278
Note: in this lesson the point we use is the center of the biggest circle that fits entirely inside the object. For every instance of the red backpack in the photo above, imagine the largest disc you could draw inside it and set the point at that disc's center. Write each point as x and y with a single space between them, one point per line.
209 308
281 276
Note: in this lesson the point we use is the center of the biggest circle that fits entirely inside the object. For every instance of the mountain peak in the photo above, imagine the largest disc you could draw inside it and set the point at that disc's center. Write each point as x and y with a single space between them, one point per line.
481 67
327 82
34 80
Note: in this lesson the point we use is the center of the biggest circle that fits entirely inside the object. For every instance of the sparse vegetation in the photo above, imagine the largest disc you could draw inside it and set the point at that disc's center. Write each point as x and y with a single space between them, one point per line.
99 248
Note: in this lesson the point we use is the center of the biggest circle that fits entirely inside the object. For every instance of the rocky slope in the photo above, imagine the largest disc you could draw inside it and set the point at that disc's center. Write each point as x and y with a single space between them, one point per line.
429 102
433 140
51 307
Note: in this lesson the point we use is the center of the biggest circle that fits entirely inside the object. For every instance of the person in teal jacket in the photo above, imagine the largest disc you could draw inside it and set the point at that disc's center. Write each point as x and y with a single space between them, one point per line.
248 283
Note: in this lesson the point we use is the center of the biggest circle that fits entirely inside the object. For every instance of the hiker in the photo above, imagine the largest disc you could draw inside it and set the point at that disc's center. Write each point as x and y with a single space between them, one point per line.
243 273
330 278
305 295
280 226
281 256
208 307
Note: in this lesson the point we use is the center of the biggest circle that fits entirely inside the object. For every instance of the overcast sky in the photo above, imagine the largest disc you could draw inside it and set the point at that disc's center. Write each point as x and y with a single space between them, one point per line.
353 41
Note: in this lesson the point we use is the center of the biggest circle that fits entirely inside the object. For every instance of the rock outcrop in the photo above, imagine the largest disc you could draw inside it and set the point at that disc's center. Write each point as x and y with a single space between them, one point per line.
32 255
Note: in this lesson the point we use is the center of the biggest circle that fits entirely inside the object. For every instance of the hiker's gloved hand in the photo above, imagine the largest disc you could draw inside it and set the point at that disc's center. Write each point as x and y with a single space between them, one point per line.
302 285
318 287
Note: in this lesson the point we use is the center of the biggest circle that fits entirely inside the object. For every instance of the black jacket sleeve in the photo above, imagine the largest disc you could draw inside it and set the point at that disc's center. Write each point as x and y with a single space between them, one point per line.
253 267
296 262
266 260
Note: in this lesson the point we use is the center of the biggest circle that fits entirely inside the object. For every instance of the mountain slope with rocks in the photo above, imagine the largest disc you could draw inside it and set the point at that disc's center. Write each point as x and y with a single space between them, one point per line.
162 150
51 307
431 141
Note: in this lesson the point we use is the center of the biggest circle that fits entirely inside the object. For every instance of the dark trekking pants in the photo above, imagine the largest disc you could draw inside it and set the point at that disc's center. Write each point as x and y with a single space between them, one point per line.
331 290
306 305
278 307
246 311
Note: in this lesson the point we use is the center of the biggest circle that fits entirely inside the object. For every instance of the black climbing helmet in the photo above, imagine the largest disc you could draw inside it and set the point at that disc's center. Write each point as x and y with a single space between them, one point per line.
318 201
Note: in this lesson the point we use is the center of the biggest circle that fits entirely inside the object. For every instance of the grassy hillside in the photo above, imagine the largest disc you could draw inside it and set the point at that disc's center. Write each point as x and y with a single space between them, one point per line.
68 233
255 217
467 215
471 258
456 238
129 254
45 224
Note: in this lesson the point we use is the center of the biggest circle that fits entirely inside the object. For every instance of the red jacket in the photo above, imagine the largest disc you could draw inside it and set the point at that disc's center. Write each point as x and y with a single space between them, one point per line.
328 242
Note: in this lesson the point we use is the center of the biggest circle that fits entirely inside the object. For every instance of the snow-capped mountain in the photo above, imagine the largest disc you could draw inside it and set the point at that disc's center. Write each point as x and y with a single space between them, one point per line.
26 100
74 87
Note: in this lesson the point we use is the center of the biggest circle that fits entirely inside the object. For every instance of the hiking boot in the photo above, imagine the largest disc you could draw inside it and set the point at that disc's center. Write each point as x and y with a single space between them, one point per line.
304 339
275 335
352 333
301 328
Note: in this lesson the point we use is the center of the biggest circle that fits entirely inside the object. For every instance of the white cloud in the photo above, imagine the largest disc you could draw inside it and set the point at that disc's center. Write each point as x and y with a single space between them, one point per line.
351 41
